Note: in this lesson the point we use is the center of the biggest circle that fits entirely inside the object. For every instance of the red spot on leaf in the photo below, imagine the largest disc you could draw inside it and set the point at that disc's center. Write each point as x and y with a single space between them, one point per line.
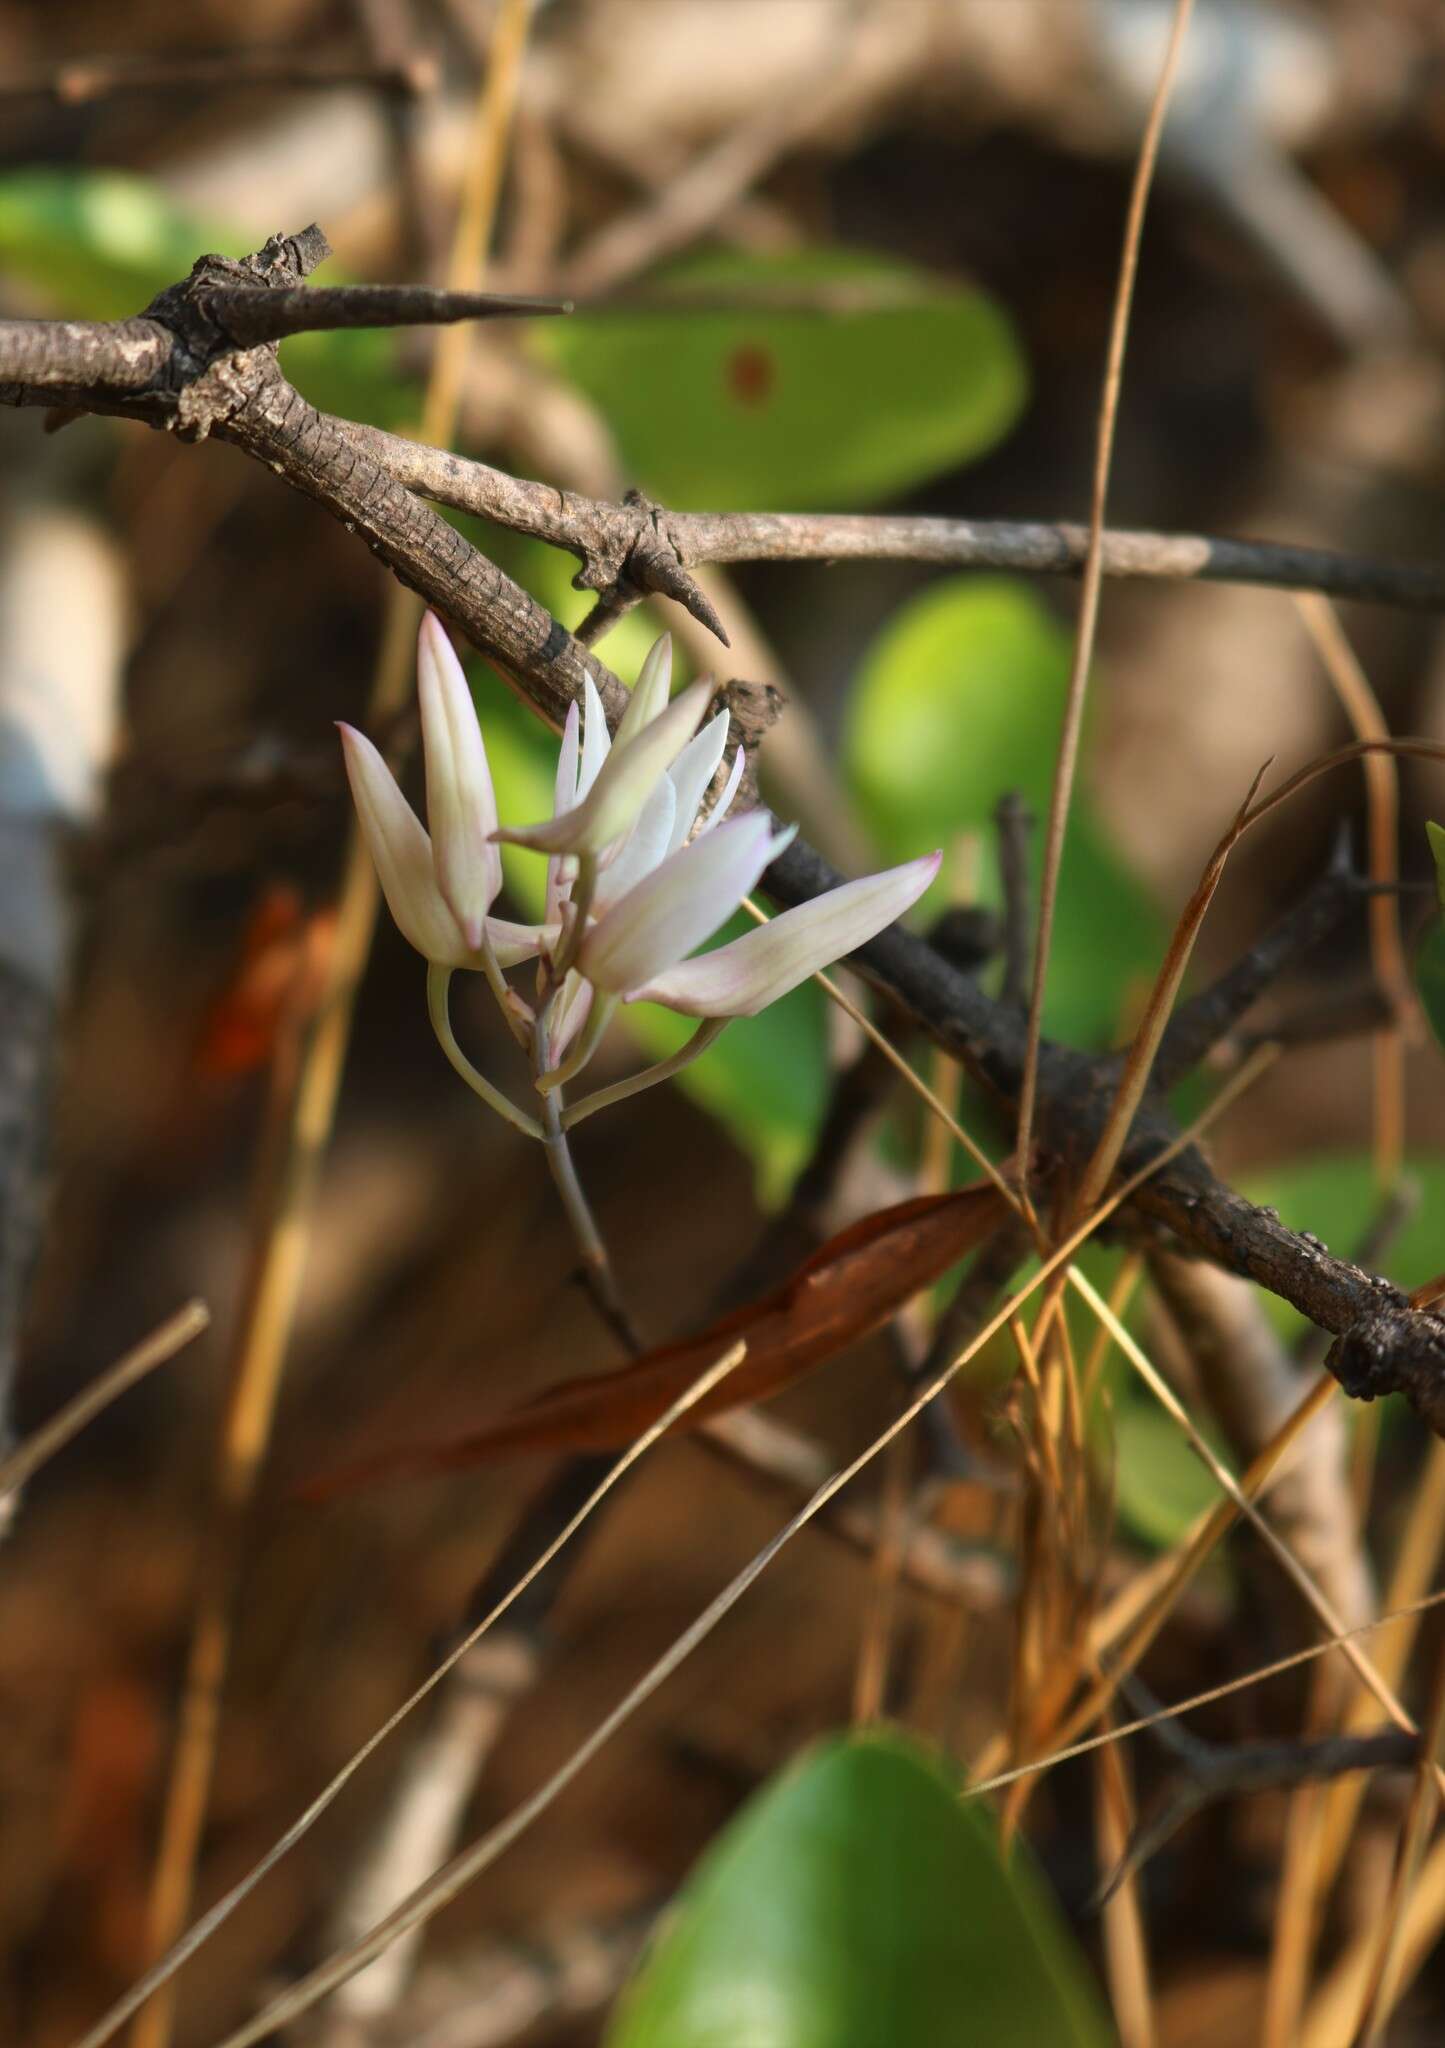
751 374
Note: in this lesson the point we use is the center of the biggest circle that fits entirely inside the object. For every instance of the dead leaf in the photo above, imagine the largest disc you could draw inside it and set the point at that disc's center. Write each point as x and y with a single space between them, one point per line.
848 1288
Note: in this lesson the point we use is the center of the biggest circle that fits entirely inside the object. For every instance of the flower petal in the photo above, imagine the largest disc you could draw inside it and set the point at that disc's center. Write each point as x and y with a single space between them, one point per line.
624 783
726 794
679 904
650 842
692 771
513 943
402 854
743 977
564 795
649 693
596 740
461 809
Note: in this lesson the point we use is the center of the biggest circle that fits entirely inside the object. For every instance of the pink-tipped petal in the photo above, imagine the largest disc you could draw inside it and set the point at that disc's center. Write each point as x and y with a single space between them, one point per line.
461 809
402 855
679 904
743 977
625 781
649 692
726 794
691 773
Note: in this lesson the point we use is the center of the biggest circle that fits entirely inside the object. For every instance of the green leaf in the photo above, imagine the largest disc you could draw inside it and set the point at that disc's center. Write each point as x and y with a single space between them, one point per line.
959 699
1162 1486
99 245
854 1903
766 407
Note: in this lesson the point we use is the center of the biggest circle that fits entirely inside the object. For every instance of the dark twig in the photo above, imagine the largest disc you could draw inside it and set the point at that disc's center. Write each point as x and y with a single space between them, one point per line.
1015 823
1200 1023
1217 1773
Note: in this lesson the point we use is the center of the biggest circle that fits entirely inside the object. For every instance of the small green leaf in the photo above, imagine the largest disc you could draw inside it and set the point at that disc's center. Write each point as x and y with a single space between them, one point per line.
769 407
858 1902
959 698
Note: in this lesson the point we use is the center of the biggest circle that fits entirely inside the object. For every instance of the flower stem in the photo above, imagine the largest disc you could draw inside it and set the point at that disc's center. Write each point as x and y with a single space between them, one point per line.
438 982
597 1272
701 1039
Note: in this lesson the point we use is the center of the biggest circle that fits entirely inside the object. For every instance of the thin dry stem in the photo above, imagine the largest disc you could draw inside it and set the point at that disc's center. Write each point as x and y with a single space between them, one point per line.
159 1348
1387 943
1093 578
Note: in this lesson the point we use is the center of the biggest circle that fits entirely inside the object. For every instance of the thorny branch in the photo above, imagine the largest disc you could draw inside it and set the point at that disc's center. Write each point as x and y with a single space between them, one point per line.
180 365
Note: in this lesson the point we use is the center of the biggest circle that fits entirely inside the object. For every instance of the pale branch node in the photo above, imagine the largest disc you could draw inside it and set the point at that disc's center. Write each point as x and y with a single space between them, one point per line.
176 366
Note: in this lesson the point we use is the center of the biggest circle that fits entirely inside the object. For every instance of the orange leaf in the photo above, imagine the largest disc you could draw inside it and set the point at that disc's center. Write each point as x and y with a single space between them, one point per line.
848 1288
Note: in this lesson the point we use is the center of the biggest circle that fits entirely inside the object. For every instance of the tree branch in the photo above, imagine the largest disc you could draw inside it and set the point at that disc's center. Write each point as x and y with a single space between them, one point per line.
204 385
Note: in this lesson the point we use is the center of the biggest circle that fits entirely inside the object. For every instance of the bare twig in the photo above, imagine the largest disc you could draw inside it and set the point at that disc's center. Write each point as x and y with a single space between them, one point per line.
85 80
602 532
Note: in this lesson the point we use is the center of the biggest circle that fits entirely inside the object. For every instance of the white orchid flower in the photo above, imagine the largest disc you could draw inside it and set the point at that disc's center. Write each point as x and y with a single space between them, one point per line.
641 871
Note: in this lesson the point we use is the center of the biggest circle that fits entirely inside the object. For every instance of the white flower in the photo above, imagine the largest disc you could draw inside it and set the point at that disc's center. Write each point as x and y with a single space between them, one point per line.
637 876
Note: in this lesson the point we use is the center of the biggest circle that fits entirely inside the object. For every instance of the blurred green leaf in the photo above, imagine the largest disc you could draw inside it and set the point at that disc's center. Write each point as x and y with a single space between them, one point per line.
959 699
100 244
765 1078
765 407
857 1902
1161 1485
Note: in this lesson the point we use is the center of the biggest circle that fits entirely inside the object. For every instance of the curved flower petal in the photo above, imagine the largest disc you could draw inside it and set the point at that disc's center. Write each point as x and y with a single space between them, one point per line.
625 781
691 773
402 854
651 842
649 693
679 904
513 943
596 741
461 809
564 795
726 794
743 977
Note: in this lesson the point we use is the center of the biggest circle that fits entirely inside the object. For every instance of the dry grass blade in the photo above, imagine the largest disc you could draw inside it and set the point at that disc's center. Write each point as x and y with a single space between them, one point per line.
429 1898
1137 1067
1126 1952
305 1120
1093 576
1308 1655
1123 1631
1387 944
1323 1608
206 1926
162 1345
1385 1978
